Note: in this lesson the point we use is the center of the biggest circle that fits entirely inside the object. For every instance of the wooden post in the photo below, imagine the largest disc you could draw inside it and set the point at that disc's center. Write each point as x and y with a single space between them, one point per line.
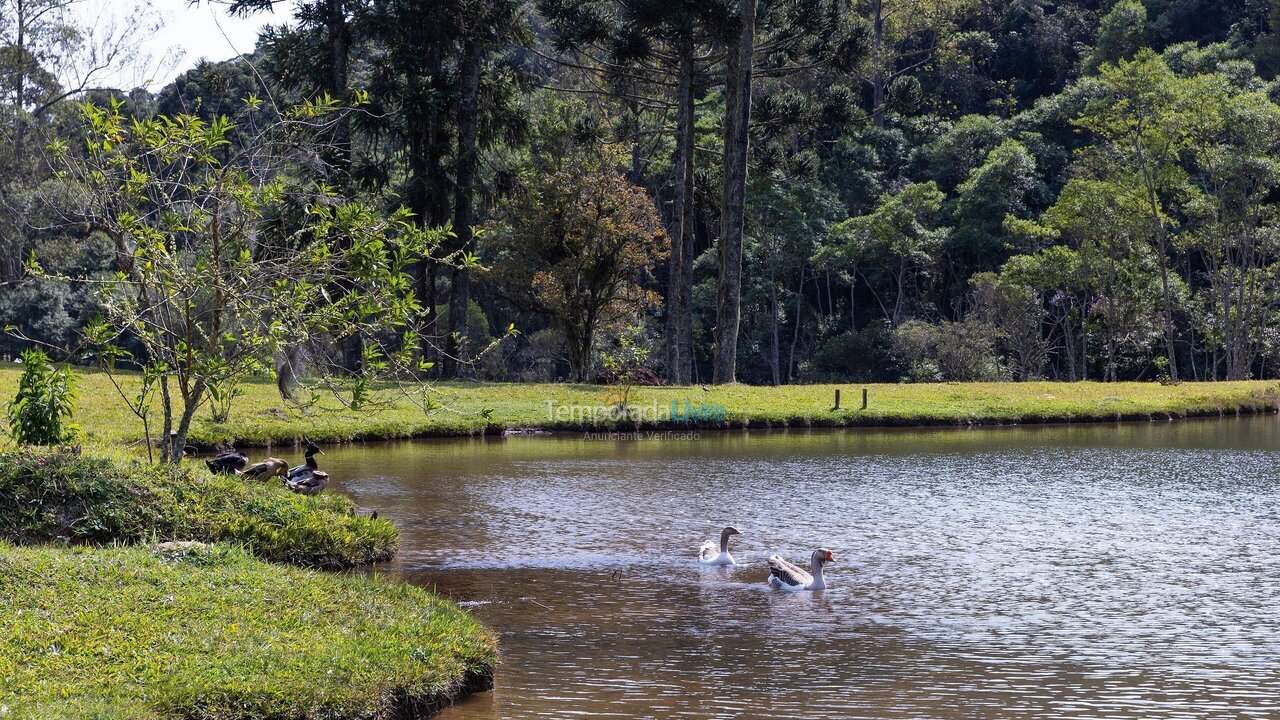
864 398
837 406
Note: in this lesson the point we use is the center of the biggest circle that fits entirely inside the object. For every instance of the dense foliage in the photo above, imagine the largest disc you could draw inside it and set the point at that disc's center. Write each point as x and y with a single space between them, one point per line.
41 412
772 190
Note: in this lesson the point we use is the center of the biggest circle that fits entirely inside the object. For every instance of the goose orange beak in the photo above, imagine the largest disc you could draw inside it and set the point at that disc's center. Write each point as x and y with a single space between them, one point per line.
830 558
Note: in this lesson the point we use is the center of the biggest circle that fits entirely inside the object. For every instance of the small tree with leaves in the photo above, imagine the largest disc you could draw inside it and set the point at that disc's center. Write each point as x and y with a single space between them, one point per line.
41 412
207 287
585 240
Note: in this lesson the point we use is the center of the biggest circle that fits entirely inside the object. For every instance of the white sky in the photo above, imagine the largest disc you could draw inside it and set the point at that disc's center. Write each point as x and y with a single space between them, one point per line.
187 35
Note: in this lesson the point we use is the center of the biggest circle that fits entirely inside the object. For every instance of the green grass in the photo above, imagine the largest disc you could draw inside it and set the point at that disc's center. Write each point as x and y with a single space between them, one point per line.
52 496
209 632
260 417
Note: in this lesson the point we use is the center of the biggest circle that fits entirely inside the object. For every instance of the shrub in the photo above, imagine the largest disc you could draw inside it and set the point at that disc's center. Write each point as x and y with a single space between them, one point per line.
962 351
41 413
966 351
861 356
61 496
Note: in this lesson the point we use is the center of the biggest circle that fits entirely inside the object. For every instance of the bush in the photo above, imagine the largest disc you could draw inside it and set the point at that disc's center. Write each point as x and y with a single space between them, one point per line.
961 351
41 413
966 351
861 356
62 496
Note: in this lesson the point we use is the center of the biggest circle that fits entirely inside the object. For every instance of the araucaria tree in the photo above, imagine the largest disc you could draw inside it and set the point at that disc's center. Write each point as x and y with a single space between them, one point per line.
205 287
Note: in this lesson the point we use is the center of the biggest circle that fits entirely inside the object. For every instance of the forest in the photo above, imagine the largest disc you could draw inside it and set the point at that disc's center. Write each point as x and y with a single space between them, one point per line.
755 191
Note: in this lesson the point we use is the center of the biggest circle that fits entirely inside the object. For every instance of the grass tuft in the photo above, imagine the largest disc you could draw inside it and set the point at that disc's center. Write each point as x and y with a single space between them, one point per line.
58 496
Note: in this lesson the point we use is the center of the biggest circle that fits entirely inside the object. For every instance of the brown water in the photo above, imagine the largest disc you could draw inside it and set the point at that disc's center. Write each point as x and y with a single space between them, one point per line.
1119 571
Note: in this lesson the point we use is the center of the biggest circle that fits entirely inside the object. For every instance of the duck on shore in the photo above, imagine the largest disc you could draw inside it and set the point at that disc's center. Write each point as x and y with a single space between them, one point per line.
785 575
309 484
708 554
266 469
309 466
308 479
227 462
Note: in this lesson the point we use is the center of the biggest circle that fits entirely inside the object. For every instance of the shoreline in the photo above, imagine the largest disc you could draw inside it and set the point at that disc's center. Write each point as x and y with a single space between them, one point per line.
261 419
692 430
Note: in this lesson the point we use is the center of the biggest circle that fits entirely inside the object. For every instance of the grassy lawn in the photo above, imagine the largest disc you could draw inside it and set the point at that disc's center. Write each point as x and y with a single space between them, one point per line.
210 632
260 417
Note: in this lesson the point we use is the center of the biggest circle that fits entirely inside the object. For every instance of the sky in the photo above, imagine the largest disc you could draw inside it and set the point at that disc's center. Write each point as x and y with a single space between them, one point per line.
187 34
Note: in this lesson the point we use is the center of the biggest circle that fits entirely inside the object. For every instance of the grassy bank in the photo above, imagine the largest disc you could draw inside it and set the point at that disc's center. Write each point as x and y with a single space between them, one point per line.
209 632
59 496
259 417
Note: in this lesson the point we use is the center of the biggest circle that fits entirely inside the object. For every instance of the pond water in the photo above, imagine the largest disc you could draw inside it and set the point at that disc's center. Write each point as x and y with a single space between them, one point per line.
1119 571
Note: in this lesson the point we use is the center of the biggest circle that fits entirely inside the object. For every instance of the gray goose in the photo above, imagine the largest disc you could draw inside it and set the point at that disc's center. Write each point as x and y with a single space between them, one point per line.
784 575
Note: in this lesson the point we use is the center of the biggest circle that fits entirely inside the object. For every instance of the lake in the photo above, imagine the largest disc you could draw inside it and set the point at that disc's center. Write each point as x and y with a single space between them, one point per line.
1120 570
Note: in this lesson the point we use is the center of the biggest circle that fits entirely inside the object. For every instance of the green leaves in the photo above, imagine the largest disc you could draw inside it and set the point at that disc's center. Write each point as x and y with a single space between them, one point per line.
212 287
42 410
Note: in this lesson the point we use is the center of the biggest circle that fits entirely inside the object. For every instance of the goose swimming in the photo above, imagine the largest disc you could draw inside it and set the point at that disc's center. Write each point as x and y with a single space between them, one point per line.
709 555
784 575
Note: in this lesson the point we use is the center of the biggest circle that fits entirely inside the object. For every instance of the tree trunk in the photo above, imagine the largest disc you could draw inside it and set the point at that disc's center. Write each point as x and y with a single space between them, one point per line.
1162 236
776 359
737 142
795 333
468 123
12 237
902 293
339 39
879 79
680 275
853 287
339 49
1110 374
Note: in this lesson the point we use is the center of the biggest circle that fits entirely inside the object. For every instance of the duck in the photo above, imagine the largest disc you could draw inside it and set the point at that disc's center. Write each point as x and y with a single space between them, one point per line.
784 575
227 462
310 484
311 465
709 555
267 469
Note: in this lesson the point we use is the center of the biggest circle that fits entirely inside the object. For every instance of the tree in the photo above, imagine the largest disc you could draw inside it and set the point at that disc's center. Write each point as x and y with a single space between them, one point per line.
901 236
441 90
203 287
1056 274
650 55
788 216
1141 125
737 122
904 37
583 239
998 188
1231 223
485 24
1106 222
1121 34
1017 313
47 55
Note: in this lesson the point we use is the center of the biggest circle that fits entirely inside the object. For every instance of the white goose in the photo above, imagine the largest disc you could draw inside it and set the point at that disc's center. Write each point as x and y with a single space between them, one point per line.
788 576
708 555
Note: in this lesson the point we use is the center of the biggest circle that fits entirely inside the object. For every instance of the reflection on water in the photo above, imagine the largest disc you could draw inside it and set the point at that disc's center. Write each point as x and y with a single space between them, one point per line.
1121 571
